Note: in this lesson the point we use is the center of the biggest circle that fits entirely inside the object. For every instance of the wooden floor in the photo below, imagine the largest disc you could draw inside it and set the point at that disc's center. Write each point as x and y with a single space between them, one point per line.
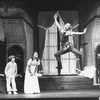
70 94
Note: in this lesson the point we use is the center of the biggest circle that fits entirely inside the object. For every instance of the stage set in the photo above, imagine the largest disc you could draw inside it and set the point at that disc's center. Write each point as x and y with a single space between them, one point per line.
29 25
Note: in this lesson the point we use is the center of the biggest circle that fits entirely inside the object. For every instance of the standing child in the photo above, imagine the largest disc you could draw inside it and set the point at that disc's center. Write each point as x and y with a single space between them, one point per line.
11 73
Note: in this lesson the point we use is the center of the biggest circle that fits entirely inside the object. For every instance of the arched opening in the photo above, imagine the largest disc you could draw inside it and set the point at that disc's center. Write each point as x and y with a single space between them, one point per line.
98 64
19 53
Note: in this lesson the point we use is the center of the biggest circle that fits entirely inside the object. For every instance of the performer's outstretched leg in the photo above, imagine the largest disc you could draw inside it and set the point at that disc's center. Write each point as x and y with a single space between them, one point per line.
58 54
75 51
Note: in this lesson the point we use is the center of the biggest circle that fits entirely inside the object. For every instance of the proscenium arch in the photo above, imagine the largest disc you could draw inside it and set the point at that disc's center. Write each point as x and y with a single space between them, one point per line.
19 53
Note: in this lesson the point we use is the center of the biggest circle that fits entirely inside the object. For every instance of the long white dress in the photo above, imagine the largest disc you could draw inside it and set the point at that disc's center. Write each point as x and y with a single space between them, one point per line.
31 84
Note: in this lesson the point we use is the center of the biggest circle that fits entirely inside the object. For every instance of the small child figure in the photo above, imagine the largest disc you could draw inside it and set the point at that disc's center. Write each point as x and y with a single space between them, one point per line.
11 73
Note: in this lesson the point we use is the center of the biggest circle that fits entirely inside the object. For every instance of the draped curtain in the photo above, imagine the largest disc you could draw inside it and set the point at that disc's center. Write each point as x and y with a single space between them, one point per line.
50 47
47 41
46 20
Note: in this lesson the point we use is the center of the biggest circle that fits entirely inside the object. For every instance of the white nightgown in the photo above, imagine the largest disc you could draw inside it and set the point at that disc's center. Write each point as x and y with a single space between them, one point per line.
31 84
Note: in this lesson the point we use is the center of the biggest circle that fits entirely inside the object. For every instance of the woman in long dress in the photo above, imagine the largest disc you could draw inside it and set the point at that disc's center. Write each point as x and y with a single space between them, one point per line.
31 84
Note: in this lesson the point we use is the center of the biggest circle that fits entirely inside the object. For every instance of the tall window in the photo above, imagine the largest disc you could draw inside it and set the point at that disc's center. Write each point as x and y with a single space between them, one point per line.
50 46
49 61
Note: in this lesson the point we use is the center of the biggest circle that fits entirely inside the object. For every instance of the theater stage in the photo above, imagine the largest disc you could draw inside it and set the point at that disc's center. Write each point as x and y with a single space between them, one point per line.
72 94
56 87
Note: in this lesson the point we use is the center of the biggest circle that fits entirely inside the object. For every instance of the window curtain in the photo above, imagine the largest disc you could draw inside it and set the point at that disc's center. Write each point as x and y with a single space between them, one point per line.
47 32
50 48
45 20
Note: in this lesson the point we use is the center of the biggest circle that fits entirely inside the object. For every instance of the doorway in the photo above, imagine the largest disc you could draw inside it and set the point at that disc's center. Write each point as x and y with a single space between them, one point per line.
19 53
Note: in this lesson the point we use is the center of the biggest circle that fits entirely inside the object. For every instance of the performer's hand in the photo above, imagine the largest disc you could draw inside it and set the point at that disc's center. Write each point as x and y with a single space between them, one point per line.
85 30
56 15
31 74
38 63
2 75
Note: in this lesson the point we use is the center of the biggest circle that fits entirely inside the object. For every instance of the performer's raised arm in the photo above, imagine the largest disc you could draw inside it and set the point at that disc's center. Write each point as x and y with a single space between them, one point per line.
58 25
79 33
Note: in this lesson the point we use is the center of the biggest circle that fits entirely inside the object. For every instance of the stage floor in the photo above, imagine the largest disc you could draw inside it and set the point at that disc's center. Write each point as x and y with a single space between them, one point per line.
55 94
